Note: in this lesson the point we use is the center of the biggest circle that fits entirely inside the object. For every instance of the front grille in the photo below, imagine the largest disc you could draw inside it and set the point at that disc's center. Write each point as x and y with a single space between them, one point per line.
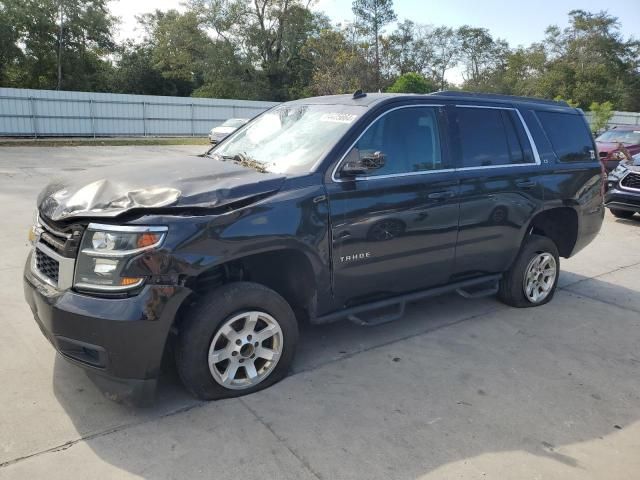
632 180
62 239
47 266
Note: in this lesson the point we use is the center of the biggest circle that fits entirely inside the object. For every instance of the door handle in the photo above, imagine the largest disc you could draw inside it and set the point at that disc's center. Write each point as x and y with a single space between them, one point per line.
526 183
441 195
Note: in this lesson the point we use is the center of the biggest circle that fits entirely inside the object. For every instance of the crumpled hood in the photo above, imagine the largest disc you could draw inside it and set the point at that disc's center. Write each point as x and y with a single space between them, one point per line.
183 182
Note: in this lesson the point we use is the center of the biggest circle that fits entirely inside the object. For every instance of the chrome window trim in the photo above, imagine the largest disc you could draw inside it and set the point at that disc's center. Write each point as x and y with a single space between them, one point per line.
628 189
126 228
534 148
390 175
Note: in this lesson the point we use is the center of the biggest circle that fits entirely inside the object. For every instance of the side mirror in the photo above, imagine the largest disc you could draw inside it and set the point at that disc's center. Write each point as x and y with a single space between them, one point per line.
356 165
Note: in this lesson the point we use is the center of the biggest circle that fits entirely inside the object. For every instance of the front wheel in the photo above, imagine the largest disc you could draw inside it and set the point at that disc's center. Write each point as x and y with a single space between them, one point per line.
621 213
533 278
239 340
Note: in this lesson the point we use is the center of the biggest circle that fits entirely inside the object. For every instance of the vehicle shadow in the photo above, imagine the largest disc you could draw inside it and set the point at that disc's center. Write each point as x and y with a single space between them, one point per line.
465 378
635 220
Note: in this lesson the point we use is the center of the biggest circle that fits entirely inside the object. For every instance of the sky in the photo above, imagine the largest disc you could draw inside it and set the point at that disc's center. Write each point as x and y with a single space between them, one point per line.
518 22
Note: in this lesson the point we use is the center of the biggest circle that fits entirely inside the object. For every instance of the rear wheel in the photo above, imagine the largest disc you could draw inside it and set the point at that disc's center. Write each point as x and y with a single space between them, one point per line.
533 278
621 213
239 340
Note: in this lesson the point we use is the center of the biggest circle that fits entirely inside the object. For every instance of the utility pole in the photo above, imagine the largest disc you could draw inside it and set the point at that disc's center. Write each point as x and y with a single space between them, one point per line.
60 33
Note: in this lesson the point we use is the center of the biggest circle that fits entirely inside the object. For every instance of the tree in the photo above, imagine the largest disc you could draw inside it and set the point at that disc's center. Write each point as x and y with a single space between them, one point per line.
412 83
602 113
179 48
481 54
10 53
61 43
401 48
337 66
446 52
591 61
372 16
268 33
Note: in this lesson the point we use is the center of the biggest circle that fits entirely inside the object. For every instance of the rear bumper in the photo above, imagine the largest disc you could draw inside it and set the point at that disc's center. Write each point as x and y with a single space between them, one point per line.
622 200
119 342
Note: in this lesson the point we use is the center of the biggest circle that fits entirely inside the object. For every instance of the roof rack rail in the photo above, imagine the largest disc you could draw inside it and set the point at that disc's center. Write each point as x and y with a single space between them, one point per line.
496 96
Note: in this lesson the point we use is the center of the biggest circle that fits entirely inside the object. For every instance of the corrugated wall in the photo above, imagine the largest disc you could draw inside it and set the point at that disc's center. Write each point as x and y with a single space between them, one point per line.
49 113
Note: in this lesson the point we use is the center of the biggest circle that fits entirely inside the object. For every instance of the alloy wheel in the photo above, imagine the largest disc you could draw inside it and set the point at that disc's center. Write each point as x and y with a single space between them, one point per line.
540 277
245 350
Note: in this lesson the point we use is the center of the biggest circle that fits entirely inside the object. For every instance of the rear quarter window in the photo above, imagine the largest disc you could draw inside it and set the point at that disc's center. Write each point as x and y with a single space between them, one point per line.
569 136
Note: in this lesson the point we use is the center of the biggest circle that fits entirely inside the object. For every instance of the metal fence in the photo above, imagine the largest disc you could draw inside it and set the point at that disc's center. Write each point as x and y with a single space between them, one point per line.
619 118
48 113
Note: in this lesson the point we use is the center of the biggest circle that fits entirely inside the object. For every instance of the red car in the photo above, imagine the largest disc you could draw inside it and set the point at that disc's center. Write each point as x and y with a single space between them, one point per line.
608 144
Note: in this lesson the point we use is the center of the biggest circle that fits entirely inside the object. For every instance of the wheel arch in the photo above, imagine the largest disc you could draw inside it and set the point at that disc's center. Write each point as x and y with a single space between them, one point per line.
560 224
287 270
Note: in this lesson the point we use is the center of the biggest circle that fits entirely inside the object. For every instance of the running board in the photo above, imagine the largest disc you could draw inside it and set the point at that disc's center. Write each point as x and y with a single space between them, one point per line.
491 288
370 314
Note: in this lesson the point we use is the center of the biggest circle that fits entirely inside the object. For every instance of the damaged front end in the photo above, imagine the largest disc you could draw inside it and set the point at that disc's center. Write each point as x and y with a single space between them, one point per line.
193 182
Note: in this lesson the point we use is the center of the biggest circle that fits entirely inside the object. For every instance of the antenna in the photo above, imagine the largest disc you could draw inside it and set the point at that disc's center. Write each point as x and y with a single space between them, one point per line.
358 94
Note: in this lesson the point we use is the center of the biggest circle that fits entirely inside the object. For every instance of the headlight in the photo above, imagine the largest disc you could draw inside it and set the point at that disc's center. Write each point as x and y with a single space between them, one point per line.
105 251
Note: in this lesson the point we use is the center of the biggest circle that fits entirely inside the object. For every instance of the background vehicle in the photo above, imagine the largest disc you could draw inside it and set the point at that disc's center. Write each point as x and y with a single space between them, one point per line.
609 142
219 133
322 209
623 188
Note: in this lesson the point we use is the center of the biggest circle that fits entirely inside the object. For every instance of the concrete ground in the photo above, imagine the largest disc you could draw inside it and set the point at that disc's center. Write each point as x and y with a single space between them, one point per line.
456 389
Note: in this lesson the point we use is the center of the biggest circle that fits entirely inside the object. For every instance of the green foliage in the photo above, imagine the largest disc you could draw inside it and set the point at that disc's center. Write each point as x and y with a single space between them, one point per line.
602 113
569 101
412 83
55 44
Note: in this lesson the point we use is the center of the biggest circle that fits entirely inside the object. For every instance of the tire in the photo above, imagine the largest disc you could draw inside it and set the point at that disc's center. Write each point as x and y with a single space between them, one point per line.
621 213
213 320
514 282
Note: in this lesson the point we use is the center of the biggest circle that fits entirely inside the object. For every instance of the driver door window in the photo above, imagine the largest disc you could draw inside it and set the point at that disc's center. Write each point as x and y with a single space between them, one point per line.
408 139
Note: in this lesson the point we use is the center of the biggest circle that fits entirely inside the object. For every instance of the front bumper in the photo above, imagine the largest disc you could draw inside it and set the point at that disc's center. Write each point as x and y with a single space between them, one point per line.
118 341
619 199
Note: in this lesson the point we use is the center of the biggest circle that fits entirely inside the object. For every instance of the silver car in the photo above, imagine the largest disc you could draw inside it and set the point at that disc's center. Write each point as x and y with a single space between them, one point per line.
219 133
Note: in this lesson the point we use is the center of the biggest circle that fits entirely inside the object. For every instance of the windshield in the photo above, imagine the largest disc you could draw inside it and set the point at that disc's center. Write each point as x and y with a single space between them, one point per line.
620 136
291 138
234 122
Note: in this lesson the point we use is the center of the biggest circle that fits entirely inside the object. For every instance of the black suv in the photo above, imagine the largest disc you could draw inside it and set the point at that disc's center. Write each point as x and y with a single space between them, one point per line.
339 207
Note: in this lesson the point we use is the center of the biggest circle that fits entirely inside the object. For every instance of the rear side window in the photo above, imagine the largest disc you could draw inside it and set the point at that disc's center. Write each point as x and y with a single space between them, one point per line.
568 135
490 137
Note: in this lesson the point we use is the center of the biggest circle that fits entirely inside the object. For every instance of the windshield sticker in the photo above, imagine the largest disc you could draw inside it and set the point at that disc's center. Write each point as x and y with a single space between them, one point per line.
338 117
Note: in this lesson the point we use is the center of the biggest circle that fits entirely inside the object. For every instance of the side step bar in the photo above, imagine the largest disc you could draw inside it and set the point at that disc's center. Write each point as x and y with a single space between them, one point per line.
369 314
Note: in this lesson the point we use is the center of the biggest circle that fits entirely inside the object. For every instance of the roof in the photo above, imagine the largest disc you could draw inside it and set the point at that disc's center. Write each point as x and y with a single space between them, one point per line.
371 99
